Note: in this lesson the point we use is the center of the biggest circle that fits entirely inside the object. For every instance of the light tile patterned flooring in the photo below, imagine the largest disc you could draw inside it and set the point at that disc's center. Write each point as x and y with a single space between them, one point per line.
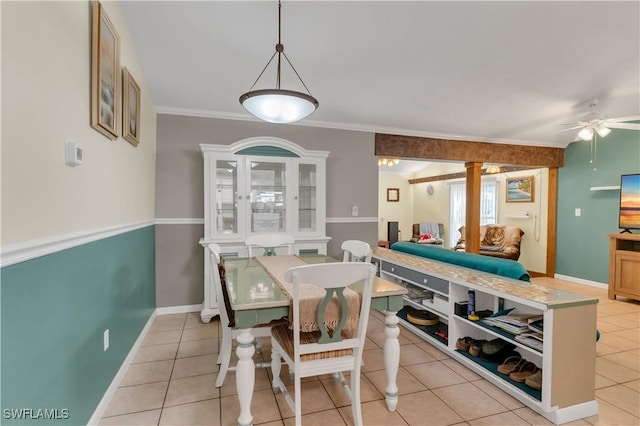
170 381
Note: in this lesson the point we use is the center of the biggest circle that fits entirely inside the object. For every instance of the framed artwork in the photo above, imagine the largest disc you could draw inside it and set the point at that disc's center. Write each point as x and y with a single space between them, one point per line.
130 108
393 194
520 190
105 74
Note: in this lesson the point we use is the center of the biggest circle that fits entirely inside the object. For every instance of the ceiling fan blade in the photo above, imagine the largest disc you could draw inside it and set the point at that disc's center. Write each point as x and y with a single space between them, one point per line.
570 128
625 126
621 119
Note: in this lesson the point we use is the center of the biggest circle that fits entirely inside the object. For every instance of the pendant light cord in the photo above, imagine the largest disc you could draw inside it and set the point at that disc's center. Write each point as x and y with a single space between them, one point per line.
279 51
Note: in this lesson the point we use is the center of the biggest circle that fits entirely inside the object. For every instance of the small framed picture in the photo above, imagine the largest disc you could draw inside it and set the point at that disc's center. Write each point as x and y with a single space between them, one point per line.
520 190
130 108
393 194
105 74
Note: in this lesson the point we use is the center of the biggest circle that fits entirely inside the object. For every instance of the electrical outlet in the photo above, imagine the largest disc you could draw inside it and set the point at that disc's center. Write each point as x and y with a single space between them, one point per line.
354 210
578 212
106 339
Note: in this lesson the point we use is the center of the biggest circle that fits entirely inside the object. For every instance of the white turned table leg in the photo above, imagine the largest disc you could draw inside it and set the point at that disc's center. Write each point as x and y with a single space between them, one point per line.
245 375
391 358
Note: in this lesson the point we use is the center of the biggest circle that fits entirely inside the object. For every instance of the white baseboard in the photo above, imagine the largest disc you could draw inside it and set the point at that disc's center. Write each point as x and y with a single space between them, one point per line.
178 309
111 390
576 412
581 281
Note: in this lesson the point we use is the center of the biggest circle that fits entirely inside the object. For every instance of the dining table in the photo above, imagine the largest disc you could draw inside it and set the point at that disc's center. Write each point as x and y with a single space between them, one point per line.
256 298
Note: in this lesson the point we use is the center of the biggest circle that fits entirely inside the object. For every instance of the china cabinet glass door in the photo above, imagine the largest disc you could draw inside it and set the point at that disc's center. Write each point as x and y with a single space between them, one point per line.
307 198
268 195
226 208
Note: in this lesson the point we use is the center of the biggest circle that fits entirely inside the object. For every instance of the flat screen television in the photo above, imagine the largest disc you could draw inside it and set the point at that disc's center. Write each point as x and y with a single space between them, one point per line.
630 202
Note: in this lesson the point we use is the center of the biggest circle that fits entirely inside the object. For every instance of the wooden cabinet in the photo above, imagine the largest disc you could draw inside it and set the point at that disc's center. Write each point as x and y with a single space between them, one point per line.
567 357
624 266
261 185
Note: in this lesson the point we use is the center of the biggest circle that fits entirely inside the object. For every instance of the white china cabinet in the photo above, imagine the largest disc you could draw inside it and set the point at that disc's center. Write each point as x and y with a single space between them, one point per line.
261 185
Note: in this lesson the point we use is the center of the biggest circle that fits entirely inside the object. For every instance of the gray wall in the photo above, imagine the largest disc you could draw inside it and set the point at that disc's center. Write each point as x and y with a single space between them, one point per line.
352 178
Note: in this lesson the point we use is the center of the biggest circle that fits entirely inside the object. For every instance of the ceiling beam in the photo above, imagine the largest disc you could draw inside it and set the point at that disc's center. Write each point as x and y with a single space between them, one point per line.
459 175
395 146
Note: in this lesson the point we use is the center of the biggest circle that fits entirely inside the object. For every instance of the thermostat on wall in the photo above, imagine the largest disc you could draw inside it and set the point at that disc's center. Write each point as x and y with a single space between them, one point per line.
73 154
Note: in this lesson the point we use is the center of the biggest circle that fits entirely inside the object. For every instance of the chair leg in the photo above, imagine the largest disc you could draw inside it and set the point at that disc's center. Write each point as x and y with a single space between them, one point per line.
226 343
276 364
225 356
355 397
298 399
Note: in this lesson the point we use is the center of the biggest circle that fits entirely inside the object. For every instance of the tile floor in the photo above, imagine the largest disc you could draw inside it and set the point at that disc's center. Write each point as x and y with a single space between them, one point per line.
170 381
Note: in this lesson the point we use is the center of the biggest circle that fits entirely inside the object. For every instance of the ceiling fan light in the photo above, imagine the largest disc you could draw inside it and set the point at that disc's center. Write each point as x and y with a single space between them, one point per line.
279 106
603 131
586 133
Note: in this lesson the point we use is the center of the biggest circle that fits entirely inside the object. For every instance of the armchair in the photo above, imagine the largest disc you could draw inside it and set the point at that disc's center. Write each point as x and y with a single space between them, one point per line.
496 241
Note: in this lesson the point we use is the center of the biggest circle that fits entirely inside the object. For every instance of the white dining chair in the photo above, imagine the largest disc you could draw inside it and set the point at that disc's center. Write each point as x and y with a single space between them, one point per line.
269 243
227 322
356 251
323 352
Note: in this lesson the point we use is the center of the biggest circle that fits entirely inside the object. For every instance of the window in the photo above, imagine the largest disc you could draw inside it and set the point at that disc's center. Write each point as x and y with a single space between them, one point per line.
457 205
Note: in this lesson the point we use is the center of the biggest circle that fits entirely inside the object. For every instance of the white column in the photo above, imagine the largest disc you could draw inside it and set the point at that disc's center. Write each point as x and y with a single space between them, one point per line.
245 375
391 358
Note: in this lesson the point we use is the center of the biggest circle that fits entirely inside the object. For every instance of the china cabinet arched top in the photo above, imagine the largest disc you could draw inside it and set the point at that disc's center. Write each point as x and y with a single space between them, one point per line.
264 184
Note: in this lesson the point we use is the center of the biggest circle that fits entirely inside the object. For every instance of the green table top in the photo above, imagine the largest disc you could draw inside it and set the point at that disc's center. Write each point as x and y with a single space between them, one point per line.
256 298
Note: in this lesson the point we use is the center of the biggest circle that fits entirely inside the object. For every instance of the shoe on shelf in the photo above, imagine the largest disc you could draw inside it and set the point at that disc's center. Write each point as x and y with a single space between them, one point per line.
476 347
535 380
523 371
462 344
511 364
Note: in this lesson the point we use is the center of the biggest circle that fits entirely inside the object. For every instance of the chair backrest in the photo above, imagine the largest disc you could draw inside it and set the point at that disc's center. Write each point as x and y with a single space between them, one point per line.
333 278
269 242
356 251
219 285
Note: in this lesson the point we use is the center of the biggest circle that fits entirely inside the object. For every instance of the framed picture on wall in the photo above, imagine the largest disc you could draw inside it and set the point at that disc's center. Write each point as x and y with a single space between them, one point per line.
130 108
520 190
393 194
105 74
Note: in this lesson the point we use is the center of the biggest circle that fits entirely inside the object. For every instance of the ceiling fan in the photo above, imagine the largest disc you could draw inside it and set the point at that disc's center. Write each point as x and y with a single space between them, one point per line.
597 122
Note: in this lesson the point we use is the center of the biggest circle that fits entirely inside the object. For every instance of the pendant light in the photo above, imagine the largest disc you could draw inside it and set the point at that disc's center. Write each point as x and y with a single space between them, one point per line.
279 105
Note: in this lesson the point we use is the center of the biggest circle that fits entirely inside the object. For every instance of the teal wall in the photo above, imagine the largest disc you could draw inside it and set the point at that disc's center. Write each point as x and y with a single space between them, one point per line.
582 249
54 311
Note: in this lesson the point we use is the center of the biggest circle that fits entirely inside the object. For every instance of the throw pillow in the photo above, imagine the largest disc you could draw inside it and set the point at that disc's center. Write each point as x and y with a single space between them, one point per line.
493 236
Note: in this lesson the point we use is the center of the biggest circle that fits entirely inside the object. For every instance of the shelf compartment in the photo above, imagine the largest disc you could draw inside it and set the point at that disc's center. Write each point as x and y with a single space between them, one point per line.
419 305
429 330
498 333
492 367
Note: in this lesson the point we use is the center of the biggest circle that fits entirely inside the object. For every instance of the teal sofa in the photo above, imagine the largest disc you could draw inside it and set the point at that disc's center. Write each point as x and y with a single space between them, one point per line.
504 267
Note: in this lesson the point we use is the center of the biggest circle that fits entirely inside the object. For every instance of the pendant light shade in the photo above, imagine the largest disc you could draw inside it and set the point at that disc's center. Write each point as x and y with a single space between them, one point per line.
279 105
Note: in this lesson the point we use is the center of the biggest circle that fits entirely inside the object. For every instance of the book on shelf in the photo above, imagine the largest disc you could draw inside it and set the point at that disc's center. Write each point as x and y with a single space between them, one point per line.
512 323
531 339
536 325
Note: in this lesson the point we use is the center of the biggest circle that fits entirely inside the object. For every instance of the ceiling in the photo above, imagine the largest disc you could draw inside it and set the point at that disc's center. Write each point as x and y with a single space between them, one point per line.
511 72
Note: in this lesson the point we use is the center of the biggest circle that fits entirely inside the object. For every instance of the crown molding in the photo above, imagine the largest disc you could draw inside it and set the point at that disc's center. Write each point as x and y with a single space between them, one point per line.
366 128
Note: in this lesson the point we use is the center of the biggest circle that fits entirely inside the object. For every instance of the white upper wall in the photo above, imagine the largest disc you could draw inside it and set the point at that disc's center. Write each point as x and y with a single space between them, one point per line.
46 95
